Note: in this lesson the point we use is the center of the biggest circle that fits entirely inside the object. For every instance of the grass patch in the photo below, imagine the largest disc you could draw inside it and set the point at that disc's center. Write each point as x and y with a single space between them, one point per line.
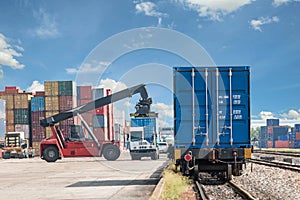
175 185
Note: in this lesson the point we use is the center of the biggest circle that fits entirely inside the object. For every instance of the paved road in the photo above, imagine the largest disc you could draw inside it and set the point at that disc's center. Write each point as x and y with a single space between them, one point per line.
79 178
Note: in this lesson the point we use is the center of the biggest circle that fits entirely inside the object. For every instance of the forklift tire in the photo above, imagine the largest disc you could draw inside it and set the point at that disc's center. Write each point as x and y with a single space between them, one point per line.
111 152
50 154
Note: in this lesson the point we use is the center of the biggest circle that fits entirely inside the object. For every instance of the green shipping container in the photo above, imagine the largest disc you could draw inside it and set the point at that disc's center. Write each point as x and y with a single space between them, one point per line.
66 88
21 116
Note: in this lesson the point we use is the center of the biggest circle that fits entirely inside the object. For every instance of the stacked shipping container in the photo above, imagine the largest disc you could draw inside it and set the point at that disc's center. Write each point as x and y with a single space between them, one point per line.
2 118
17 110
295 136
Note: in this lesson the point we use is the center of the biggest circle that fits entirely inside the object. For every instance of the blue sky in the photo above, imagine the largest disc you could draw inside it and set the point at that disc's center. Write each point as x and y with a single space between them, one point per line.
51 40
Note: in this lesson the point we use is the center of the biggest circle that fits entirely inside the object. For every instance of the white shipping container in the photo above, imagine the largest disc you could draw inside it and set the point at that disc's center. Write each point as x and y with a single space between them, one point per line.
23 128
2 128
2 109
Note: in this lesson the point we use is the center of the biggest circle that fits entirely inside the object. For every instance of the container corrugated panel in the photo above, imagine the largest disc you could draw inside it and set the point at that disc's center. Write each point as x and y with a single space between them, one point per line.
9 101
150 124
270 129
270 144
10 127
36 146
65 130
297 136
67 88
51 113
297 144
263 144
98 93
82 102
21 116
37 104
48 132
264 129
21 101
99 121
283 137
11 90
67 122
22 128
2 128
84 92
272 122
38 133
10 119
2 109
292 136
88 117
39 93
101 134
67 102
281 144
51 103
297 127
220 93
51 88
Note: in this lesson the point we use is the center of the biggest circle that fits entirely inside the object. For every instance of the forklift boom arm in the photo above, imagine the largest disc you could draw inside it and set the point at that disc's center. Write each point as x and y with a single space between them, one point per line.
50 121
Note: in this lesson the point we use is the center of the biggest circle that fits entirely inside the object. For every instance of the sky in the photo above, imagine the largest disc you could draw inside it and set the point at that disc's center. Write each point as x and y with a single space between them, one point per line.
118 44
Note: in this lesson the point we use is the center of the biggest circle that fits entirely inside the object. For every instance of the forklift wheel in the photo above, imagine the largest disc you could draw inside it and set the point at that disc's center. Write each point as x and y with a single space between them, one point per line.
111 152
50 154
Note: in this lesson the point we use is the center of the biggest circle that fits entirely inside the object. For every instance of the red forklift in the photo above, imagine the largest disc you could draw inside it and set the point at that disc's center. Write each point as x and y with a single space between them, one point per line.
57 147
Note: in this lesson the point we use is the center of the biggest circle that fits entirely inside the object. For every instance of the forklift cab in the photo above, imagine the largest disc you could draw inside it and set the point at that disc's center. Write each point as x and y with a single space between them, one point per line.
77 133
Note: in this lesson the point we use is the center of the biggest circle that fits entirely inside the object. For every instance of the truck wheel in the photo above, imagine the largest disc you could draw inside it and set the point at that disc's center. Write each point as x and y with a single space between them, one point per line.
51 154
111 152
6 155
154 156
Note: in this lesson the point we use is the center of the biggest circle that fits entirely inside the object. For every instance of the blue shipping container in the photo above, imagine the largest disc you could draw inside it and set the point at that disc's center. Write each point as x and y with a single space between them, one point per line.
297 127
272 122
150 125
283 137
264 129
37 104
214 112
292 136
297 144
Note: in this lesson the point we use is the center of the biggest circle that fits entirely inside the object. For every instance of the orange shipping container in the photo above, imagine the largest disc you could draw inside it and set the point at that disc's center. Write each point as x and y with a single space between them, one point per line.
9 101
270 144
10 118
48 132
51 88
270 129
297 135
10 127
51 113
281 144
36 146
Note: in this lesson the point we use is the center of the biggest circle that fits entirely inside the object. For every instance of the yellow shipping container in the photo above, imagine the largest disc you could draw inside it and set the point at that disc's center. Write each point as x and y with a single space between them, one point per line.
10 118
51 113
21 101
48 132
51 88
9 98
36 146
51 103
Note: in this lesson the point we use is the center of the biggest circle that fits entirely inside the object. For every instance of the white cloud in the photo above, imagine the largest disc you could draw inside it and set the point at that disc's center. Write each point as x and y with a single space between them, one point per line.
94 67
112 84
266 115
165 114
292 114
47 25
216 9
35 86
257 23
149 9
7 54
280 2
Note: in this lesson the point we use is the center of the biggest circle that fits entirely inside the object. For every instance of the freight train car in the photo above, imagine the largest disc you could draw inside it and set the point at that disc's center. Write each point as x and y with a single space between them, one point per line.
212 119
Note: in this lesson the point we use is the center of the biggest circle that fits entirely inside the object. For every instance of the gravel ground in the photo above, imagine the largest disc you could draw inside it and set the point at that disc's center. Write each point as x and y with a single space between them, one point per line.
270 183
221 192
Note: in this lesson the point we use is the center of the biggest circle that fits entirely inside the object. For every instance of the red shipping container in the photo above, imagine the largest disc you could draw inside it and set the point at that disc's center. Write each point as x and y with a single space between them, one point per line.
297 135
65 130
11 90
67 122
88 117
101 111
40 94
281 144
36 117
67 102
84 101
270 129
38 133
270 144
101 134
85 92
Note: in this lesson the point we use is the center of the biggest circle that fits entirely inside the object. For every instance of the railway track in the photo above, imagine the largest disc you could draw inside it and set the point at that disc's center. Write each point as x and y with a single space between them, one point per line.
278 153
276 164
242 193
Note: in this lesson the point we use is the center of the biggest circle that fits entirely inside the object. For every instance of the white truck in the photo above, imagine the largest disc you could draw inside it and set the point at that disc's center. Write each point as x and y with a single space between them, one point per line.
140 147
16 146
